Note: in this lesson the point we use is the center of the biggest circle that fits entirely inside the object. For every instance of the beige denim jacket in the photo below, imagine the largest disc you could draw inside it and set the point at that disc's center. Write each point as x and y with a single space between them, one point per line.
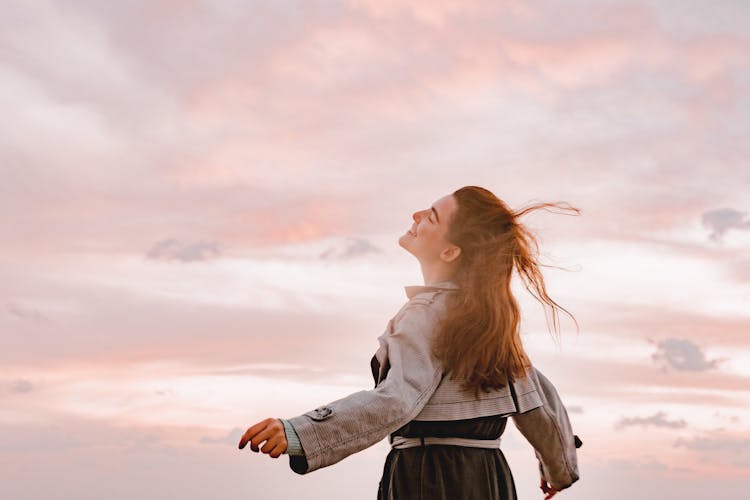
409 385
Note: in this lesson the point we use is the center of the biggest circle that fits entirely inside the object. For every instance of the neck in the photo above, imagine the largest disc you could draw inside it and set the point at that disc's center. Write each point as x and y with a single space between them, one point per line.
432 275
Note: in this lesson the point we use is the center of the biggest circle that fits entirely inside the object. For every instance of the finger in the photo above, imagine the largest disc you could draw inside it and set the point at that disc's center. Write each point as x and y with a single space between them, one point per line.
263 435
274 427
278 450
246 437
258 438
271 443
543 485
251 431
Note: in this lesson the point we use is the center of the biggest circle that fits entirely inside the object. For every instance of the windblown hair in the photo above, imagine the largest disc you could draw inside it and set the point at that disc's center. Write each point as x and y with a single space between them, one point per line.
478 340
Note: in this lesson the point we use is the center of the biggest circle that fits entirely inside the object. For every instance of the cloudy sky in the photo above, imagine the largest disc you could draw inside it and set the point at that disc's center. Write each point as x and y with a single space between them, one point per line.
200 204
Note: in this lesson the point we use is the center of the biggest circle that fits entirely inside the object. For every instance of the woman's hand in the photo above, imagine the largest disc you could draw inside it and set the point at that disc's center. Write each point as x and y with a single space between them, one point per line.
270 430
548 490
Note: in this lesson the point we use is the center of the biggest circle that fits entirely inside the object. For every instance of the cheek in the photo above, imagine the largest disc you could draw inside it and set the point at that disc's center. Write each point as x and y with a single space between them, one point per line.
430 234
424 229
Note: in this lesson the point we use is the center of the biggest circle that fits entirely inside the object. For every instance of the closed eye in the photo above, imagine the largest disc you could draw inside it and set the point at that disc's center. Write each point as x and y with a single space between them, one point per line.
437 217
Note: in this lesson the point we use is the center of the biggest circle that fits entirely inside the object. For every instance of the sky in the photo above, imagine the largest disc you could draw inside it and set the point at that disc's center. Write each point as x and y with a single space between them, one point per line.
201 203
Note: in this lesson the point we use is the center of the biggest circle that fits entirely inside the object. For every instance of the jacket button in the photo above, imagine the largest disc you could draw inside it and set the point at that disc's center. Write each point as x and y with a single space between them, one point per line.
320 413
322 410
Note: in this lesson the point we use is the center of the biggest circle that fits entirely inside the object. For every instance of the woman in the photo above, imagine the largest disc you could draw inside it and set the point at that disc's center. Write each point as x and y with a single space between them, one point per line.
449 371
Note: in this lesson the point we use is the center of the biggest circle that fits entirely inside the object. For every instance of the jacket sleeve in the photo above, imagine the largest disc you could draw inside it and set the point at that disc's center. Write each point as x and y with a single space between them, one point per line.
548 430
345 426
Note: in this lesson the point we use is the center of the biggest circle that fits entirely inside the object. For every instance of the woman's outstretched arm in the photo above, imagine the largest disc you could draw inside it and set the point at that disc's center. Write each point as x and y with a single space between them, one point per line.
335 430
548 430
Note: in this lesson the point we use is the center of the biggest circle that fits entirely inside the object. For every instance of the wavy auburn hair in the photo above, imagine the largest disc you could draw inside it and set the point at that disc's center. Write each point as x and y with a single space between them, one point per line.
478 340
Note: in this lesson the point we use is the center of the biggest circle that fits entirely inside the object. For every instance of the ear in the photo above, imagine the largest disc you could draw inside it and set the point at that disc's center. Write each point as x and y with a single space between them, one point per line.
450 253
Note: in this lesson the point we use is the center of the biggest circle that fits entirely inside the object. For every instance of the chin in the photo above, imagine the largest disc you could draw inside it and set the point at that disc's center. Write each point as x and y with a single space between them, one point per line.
409 251
402 244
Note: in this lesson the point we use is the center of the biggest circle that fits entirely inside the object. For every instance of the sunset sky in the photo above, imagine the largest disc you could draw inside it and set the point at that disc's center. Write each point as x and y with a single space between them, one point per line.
200 207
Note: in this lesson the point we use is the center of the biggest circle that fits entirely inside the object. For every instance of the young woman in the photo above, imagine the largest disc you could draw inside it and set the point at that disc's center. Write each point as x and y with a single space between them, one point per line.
450 369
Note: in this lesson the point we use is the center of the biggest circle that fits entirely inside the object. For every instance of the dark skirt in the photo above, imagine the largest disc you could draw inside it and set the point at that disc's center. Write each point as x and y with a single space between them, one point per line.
448 472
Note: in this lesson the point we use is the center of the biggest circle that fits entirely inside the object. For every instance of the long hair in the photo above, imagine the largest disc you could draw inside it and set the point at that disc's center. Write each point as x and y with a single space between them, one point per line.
478 341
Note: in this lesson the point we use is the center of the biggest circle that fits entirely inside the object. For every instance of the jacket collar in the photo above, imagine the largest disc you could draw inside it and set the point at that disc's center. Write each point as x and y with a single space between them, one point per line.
412 290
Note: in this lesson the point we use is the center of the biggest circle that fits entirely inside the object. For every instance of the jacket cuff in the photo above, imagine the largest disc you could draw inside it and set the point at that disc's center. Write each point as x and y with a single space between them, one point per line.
294 447
308 439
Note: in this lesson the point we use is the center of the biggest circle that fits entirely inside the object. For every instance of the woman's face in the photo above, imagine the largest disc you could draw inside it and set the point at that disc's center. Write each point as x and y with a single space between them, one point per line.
427 237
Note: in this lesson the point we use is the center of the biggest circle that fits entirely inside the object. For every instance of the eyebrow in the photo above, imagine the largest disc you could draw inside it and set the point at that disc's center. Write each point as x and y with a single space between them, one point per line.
436 214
